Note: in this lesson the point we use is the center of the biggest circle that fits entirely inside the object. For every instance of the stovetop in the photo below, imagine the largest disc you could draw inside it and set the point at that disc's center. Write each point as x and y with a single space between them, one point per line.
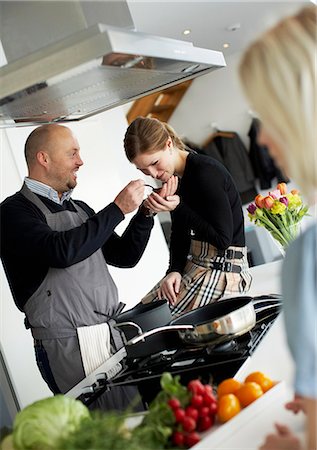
210 363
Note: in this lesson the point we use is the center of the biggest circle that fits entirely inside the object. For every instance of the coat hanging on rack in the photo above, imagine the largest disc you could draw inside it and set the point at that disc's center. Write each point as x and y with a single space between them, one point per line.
262 163
227 147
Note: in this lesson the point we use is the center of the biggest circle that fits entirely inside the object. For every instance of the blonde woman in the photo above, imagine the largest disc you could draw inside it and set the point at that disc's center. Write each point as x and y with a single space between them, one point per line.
278 74
208 257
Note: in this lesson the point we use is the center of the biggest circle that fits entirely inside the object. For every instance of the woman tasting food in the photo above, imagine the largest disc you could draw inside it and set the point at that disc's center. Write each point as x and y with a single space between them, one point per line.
208 257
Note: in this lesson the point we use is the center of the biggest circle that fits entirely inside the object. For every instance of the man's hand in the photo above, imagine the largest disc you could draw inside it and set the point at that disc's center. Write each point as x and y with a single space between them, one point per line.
284 439
170 286
130 197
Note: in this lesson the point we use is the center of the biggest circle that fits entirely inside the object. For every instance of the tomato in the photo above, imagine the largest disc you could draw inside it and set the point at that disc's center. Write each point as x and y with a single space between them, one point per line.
191 411
228 407
178 438
196 387
197 400
189 424
208 389
209 399
228 386
213 408
263 380
174 403
179 415
192 439
204 411
205 423
249 392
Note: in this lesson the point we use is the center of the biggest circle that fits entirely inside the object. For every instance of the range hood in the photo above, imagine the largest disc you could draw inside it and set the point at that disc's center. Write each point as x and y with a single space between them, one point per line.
93 70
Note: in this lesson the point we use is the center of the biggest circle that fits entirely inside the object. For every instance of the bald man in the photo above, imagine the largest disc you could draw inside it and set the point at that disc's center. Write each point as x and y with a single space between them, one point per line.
55 252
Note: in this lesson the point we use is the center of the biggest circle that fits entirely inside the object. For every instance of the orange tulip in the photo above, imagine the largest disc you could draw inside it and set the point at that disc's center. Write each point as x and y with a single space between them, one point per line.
295 191
282 188
268 202
259 201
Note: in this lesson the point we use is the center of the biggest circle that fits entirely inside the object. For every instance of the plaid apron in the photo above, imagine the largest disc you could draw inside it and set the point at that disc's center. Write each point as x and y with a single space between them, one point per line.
202 284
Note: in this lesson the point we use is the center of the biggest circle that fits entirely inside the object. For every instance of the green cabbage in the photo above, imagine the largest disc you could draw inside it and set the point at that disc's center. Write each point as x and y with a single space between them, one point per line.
40 425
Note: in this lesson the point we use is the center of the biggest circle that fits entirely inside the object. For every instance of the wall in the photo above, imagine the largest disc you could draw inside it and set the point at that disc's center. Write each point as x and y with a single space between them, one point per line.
215 98
104 173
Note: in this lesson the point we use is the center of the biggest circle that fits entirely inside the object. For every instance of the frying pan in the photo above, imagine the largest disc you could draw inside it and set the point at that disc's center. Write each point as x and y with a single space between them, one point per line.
213 324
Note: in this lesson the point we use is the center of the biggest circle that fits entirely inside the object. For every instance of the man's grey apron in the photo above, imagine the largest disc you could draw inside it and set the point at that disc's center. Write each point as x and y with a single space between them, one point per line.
66 300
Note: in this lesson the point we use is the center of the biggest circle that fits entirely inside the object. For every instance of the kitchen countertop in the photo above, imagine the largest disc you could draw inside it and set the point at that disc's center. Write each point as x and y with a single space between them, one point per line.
273 358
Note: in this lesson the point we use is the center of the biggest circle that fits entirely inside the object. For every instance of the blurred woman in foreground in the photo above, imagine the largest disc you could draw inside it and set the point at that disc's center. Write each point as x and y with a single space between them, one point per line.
278 74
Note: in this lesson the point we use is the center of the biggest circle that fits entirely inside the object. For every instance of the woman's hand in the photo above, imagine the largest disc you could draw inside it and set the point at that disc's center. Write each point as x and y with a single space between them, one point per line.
296 405
170 286
169 188
157 204
283 439
164 199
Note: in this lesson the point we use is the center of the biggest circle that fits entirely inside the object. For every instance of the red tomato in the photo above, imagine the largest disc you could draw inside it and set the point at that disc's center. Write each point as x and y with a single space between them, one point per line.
189 424
208 389
213 408
196 387
192 439
179 415
205 423
208 399
191 411
178 438
174 403
197 400
204 411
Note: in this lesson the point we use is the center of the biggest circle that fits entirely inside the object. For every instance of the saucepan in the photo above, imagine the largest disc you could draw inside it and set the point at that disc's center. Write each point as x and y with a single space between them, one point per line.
212 324
144 317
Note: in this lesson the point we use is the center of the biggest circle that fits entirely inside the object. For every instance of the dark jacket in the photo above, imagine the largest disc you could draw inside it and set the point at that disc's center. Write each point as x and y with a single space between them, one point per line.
262 164
232 153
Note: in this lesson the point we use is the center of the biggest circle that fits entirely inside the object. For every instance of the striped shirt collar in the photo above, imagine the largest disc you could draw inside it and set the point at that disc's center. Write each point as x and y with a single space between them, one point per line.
46 191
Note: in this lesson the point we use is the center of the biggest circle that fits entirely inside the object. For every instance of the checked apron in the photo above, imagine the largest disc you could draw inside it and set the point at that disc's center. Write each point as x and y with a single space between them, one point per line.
202 284
66 300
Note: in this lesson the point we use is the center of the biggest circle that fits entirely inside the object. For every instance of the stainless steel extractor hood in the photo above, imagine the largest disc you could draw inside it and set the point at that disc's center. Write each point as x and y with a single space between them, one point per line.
93 70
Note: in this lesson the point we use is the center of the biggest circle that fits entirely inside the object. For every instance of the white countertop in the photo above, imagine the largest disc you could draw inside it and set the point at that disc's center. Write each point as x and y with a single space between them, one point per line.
272 357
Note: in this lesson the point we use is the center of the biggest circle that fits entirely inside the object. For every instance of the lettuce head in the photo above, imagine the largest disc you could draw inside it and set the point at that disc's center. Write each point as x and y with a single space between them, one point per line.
42 424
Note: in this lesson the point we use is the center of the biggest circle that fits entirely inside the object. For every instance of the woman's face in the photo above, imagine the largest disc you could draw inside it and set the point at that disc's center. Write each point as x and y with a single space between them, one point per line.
159 164
265 138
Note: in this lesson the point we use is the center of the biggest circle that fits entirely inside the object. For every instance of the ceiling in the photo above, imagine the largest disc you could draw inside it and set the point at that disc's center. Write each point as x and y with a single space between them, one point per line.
209 21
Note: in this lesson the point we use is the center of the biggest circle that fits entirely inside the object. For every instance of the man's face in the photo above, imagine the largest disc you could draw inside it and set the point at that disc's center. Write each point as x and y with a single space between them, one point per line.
64 161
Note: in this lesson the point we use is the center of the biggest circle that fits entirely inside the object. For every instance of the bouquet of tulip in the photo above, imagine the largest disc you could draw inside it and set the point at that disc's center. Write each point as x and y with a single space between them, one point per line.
279 212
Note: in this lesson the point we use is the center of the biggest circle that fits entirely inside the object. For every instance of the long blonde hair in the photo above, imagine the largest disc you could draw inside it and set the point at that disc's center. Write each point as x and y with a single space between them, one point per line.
148 135
278 75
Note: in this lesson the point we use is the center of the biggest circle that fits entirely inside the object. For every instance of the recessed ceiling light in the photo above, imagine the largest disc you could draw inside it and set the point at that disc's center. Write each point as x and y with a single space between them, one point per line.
226 45
234 27
188 31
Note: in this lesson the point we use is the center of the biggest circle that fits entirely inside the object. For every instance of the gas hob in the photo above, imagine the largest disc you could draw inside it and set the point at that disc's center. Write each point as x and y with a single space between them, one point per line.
210 363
